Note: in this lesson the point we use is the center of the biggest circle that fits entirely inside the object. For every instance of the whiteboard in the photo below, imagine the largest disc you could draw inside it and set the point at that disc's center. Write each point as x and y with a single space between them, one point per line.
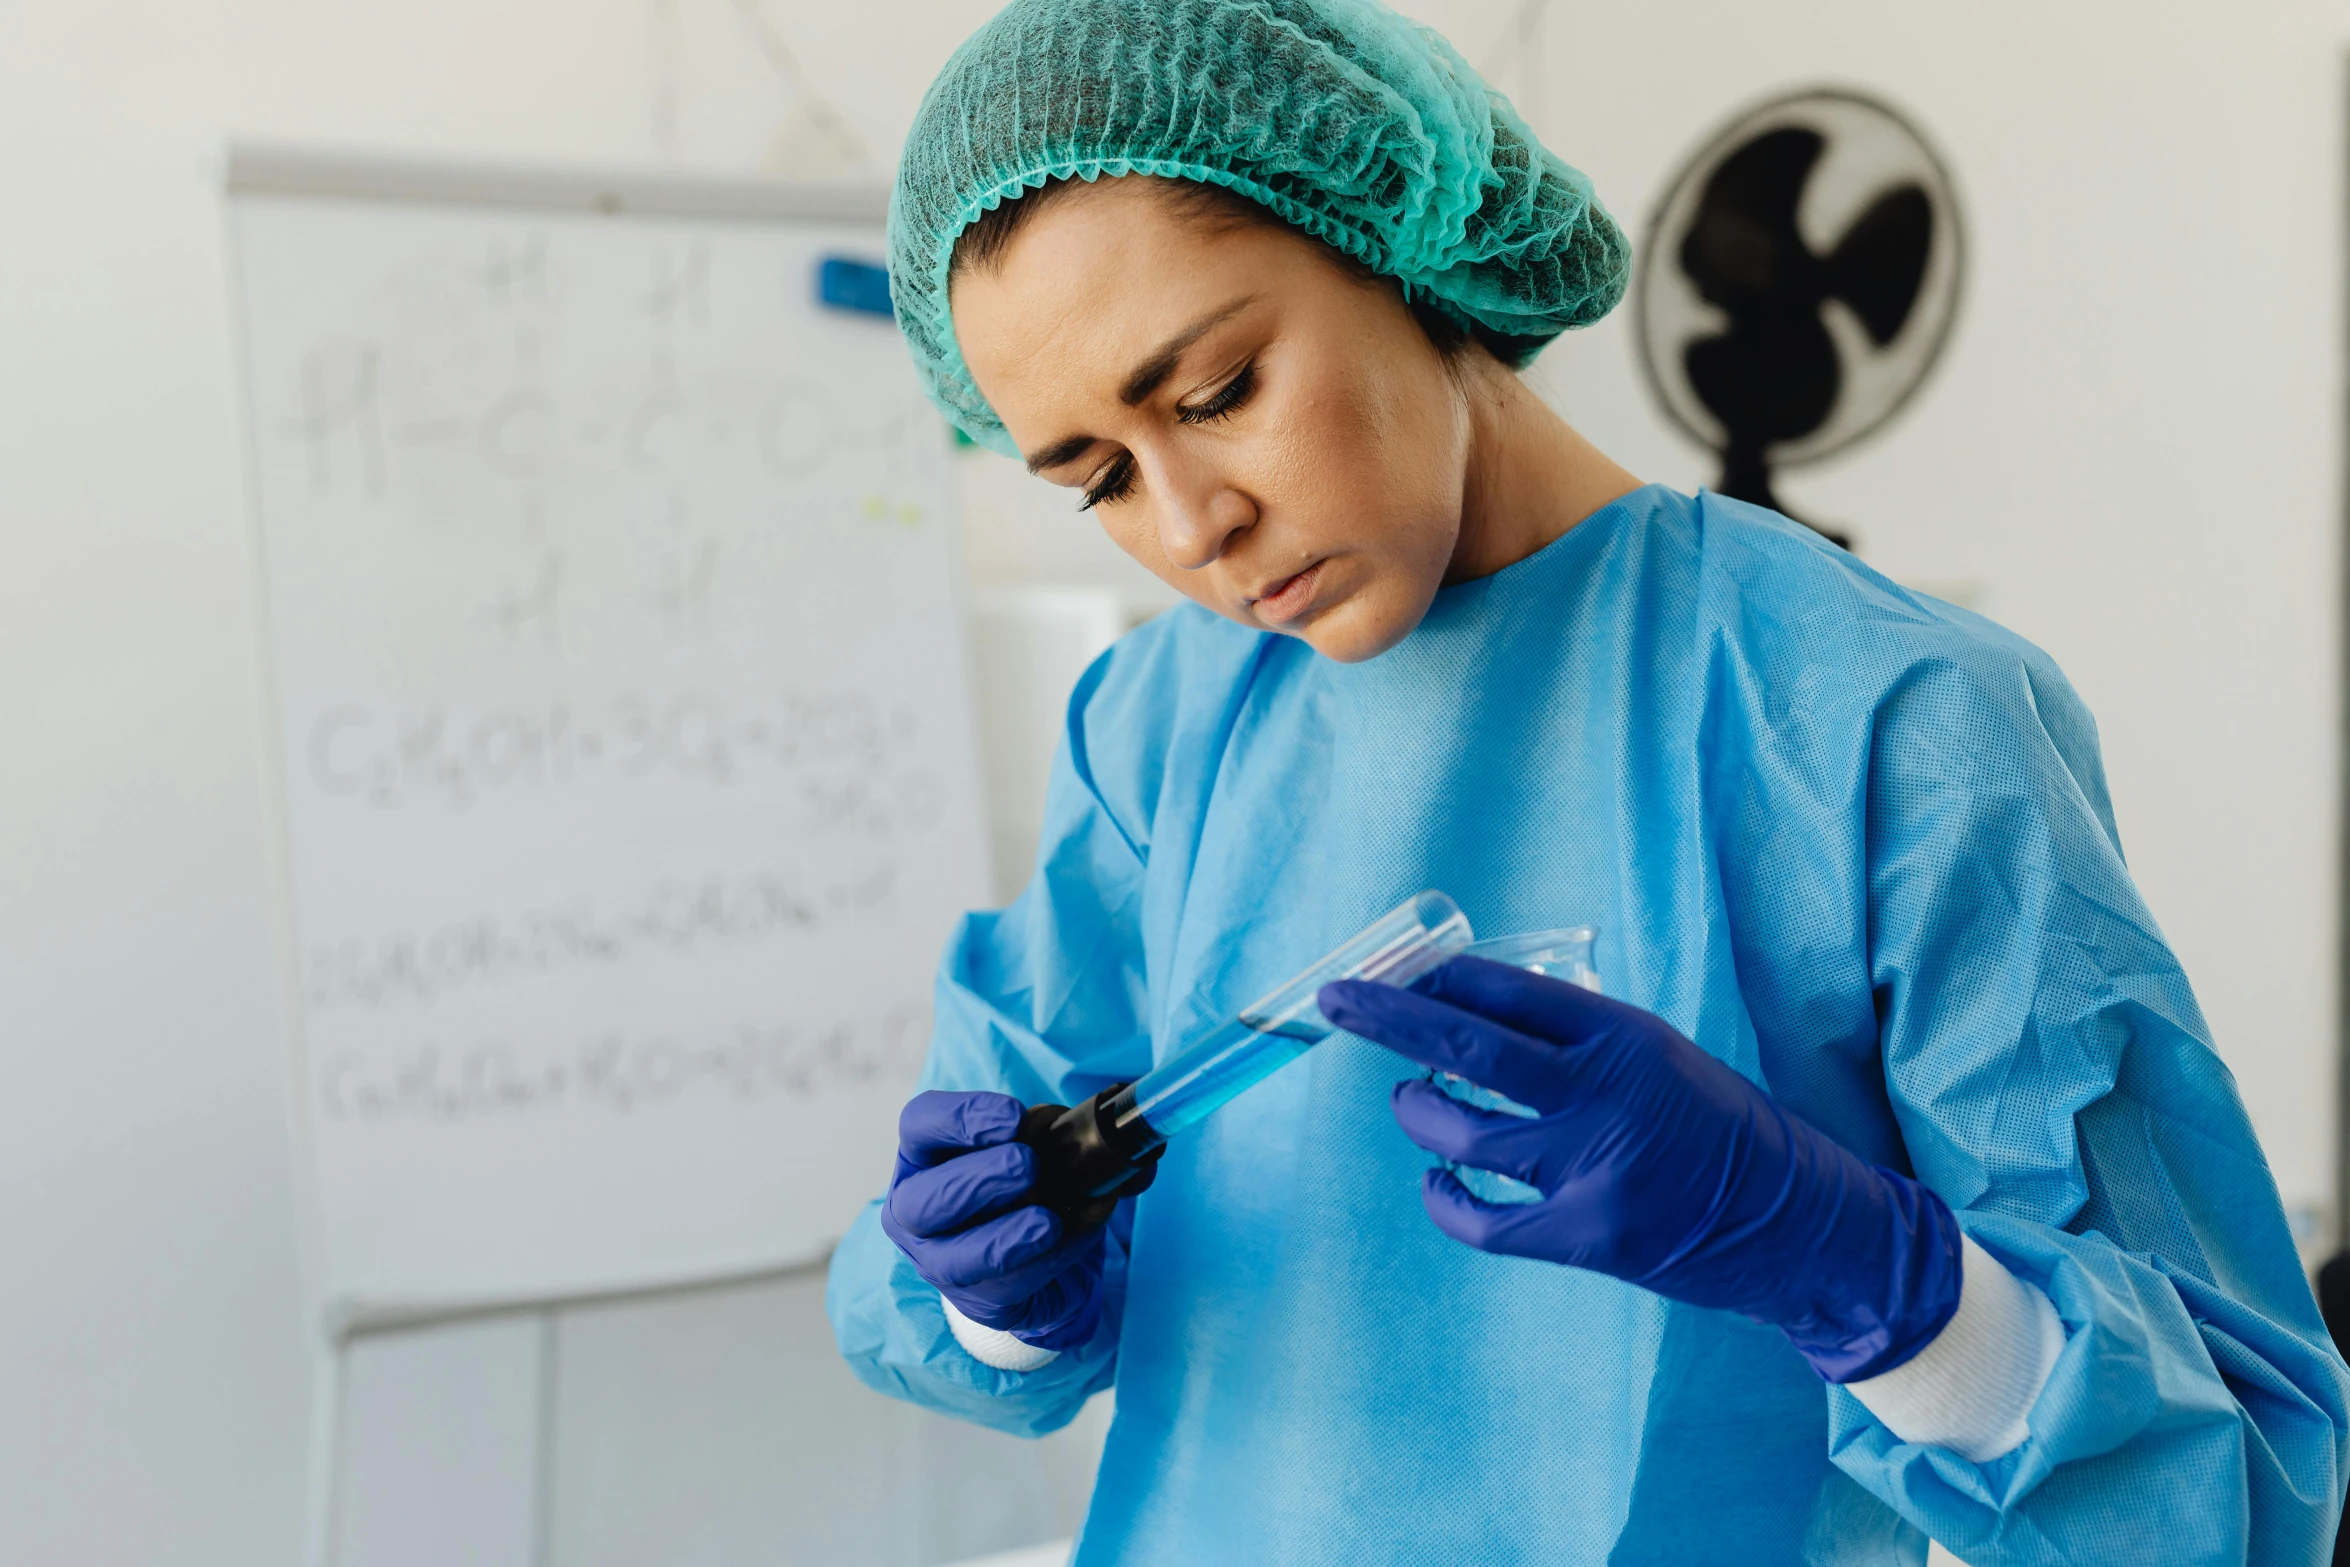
617 686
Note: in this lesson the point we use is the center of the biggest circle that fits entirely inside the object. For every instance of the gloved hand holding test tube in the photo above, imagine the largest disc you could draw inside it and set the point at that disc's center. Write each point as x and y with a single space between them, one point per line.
1089 1156
1001 1207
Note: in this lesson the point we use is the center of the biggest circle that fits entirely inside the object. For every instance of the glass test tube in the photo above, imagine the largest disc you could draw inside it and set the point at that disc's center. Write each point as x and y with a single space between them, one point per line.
1399 947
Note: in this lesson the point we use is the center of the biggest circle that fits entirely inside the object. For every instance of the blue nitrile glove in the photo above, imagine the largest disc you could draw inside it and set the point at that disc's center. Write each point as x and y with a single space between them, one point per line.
1659 1165
957 1207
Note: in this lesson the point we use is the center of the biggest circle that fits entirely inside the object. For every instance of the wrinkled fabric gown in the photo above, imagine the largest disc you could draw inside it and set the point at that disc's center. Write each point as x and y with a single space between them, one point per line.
1855 843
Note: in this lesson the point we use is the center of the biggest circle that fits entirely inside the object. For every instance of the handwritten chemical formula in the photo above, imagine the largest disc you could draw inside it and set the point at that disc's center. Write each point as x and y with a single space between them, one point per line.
843 764
614 1075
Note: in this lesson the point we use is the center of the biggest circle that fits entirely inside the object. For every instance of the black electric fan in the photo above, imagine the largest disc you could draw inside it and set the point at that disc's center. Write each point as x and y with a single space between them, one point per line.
1798 283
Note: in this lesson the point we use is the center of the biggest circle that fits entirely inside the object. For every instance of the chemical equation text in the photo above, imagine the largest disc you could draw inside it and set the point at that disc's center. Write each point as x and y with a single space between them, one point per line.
674 917
847 763
496 1078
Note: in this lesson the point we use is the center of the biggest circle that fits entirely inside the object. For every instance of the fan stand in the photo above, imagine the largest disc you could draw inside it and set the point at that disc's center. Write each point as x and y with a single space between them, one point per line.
1746 476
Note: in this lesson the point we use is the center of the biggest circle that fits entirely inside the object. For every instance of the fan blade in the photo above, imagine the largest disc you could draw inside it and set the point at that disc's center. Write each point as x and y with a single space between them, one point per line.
1743 246
1880 264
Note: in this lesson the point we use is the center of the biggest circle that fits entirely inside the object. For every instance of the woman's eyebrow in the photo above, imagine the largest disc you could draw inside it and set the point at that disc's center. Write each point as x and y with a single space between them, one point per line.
1147 378
1152 373
1067 449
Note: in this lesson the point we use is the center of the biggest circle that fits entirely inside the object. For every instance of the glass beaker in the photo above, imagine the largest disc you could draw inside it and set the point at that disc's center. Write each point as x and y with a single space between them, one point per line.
1559 954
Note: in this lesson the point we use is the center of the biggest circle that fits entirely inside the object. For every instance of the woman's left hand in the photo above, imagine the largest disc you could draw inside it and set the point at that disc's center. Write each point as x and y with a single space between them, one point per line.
1659 1165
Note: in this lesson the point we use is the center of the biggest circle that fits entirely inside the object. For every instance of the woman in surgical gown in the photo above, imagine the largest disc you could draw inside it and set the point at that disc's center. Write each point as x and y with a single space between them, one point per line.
1253 278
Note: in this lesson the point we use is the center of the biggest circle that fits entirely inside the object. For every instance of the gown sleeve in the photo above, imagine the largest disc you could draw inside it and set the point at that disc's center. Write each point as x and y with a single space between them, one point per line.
1045 1001
2055 1082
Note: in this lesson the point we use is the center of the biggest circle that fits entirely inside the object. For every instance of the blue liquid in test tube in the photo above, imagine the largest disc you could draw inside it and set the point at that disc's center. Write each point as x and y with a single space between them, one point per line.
1407 942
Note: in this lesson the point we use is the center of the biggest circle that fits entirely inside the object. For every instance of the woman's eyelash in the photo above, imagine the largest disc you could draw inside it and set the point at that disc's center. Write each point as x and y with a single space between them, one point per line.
1117 482
1229 397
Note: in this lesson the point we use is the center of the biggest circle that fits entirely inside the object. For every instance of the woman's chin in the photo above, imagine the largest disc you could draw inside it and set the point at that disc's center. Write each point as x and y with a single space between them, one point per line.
1354 631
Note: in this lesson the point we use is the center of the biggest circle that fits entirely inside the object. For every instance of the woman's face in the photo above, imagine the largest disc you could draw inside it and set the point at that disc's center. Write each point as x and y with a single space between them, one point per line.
1270 433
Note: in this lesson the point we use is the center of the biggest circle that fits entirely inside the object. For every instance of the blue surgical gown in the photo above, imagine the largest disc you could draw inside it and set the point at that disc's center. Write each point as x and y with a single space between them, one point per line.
1853 841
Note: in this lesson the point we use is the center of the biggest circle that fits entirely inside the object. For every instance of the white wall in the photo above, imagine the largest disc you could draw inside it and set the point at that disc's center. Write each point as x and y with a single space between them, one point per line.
2133 447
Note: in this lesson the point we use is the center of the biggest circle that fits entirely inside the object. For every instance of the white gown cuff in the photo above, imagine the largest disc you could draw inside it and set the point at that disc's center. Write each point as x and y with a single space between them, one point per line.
1970 1389
994 1347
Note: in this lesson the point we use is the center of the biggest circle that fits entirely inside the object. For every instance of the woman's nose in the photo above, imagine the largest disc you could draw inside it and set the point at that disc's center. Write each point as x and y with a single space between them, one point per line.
1199 512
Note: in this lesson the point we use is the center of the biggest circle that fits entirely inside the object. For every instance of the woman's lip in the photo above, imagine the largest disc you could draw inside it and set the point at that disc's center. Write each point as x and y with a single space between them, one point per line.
1290 597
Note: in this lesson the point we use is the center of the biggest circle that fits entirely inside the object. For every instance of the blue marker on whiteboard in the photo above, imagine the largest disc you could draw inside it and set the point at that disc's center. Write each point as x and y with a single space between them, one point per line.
845 283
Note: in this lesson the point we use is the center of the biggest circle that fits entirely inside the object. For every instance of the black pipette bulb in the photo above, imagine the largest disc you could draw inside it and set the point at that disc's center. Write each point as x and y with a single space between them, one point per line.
1085 1161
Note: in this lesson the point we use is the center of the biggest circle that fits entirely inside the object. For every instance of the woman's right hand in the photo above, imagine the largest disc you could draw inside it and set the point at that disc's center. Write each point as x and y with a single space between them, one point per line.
958 1208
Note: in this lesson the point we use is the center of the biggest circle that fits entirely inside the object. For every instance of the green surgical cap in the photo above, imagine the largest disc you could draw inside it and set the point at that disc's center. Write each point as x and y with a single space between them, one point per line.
1360 127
